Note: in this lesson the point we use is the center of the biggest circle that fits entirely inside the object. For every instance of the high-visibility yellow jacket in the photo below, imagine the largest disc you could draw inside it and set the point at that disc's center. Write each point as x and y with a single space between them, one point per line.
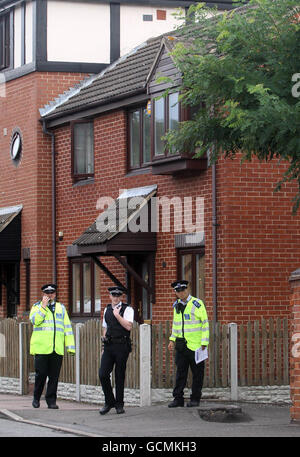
195 324
51 331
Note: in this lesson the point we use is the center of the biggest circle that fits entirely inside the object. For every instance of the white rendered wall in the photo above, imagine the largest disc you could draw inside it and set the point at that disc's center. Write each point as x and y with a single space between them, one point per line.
28 33
134 30
78 32
17 37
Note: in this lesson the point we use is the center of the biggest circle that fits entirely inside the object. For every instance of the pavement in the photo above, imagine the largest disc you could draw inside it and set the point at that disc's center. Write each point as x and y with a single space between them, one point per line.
210 419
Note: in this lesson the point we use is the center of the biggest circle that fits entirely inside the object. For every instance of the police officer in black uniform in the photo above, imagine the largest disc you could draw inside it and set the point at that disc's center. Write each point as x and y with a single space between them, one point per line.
117 323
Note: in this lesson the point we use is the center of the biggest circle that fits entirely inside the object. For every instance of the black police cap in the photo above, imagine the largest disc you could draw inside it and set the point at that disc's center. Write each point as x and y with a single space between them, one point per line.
116 290
49 288
179 284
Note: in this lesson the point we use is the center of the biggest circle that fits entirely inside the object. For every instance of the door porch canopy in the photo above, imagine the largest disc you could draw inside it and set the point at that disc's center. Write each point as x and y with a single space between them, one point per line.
126 227
10 234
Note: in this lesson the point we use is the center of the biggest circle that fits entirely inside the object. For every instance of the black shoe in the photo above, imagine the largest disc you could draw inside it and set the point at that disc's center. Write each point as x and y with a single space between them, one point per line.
175 403
53 406
36 403
105 409
192 403
120 410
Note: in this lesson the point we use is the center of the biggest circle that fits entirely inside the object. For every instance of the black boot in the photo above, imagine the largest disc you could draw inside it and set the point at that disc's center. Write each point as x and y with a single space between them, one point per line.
36 403
105 409
176 402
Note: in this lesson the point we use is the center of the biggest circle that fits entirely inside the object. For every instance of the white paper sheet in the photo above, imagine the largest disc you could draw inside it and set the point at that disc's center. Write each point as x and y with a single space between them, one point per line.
201 354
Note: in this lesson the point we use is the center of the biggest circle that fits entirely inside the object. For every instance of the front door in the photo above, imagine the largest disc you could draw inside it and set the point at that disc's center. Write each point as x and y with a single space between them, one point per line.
141 297
11 274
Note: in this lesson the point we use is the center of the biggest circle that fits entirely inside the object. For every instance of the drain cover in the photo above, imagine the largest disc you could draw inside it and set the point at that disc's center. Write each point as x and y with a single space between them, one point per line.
223 413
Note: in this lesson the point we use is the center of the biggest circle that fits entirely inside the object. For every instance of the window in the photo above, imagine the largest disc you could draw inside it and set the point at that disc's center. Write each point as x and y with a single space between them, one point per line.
139 137
4 41
82 150
85 287
191 266
166 116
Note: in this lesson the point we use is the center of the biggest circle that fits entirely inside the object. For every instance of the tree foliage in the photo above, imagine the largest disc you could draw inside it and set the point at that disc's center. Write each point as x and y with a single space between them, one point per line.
240 73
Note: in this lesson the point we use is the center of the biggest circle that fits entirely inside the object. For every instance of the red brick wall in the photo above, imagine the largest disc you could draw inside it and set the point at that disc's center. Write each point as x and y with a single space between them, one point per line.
258 238
258 241
76 208
295 349
30 183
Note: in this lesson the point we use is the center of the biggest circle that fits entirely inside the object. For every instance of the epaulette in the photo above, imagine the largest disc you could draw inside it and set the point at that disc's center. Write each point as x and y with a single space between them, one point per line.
37 303
174 304
196 303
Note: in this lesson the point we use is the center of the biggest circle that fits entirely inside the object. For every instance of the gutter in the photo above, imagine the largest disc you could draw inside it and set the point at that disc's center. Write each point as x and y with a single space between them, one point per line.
214 244
53 206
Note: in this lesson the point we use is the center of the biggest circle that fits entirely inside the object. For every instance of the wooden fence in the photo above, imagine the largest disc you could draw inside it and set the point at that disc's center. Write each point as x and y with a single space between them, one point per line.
263 354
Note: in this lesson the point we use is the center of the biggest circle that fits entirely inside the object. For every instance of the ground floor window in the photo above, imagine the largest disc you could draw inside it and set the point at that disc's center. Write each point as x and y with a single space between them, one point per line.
191 267
85 288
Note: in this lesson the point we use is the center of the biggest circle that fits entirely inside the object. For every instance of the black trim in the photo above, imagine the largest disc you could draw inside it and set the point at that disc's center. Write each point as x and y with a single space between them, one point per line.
77 67
40 31
115 36
14 73
75 114
11 38
7 3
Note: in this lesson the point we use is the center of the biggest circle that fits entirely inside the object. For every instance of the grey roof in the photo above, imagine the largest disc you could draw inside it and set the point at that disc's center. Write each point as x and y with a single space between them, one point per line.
117 216
126 77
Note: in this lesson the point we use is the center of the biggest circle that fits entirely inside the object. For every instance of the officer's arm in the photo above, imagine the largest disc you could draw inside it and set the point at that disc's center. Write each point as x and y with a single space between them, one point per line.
37 314
172 338
68 332
124 322
205 326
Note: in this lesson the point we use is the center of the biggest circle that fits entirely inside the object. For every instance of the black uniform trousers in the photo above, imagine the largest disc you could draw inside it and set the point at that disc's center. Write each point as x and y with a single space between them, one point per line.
47 365
114 354
185 359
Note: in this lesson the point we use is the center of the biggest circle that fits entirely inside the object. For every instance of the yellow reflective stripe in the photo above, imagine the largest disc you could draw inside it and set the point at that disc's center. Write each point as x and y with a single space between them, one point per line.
51 329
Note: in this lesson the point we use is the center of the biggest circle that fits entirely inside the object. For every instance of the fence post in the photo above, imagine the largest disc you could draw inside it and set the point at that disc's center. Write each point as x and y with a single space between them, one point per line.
77 361
22 359
233 338
145 365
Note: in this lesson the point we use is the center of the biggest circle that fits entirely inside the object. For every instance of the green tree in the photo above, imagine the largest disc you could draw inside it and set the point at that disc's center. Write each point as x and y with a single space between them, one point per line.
241 72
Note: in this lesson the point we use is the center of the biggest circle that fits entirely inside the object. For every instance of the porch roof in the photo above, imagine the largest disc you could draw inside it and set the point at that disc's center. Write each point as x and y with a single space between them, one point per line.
10 233
111 231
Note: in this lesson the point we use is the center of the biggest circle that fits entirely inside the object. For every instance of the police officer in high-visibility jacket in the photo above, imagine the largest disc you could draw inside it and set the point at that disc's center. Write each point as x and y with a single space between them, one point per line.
190 332
52 332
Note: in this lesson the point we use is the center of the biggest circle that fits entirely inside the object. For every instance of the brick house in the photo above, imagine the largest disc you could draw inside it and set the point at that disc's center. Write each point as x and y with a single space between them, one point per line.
109 150
46 48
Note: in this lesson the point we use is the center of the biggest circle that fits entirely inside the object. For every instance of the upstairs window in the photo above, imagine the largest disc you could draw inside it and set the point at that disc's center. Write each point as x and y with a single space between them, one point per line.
166 116
139 137
4 41
82 150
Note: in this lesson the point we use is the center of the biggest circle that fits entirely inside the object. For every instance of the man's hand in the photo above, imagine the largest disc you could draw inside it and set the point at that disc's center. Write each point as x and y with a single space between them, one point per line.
45 301
171 345
117 310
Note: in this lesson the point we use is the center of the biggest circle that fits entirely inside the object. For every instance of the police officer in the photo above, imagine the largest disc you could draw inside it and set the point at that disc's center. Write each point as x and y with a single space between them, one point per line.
117 324
190 331
52 331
